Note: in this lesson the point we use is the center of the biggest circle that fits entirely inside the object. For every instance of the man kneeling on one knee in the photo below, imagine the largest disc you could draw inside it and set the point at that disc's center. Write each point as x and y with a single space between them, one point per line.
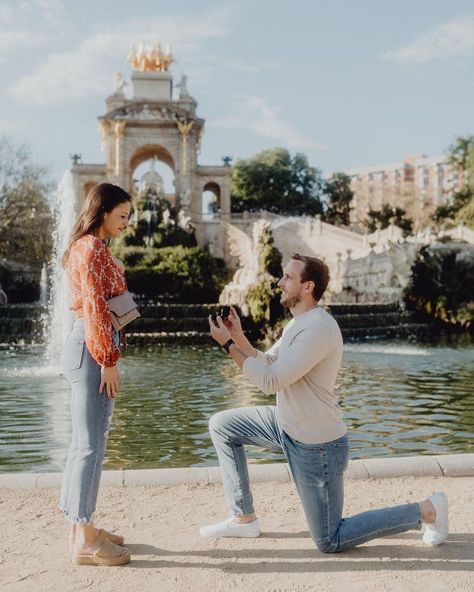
306 423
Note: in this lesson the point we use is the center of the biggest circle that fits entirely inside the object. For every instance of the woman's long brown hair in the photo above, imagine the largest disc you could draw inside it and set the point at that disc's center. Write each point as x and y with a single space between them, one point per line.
102 198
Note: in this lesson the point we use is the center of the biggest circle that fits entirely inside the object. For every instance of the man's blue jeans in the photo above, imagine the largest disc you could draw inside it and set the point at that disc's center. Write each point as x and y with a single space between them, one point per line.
317 471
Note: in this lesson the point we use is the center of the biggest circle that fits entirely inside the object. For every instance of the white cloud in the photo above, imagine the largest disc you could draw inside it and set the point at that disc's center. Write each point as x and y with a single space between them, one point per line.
19 12
88 69
452 39
12 40
48 6
12 126
240 66
28 24
255 114
7 14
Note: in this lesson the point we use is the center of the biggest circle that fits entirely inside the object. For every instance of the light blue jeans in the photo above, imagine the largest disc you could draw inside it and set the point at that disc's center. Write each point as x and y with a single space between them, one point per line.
90 416
317 471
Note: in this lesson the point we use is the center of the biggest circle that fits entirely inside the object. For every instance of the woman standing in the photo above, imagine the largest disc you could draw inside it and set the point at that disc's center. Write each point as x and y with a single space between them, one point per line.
89 361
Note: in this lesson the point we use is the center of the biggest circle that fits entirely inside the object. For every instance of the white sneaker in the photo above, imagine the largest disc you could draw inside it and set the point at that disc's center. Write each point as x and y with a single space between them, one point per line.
436 532
231 528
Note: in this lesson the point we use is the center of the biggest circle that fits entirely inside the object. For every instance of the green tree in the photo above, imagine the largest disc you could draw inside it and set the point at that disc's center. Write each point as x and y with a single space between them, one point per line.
384 217
459 206
466 213
277 182
339 194
26 220
26 226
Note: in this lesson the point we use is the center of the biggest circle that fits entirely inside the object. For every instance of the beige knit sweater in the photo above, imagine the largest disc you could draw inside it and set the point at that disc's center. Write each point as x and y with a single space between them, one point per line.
301 368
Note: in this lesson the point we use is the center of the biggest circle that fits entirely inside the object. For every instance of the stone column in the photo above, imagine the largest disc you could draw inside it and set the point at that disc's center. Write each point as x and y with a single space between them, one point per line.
225 199
184 198
119 168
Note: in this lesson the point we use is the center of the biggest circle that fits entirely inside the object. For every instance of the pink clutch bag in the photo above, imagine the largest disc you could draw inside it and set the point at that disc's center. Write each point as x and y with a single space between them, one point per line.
123 310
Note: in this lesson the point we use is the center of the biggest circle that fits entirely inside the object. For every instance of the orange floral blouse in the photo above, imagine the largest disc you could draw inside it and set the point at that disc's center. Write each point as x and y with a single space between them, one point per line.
94 278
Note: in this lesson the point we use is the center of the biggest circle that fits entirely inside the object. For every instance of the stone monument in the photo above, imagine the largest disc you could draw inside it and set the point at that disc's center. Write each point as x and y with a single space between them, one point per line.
153 124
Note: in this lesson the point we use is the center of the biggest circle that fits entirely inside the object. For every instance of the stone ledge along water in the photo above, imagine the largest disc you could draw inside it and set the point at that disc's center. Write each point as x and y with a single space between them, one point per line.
448 465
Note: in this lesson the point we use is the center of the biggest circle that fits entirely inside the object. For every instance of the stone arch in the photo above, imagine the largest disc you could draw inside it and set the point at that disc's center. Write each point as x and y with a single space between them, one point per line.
147 152
215 189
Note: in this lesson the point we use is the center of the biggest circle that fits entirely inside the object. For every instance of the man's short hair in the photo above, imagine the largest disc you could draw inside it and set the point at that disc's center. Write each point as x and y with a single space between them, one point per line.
315 270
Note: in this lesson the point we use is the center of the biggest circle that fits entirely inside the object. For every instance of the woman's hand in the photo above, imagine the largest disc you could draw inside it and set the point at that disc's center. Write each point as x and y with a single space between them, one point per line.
119 264
109 378
232 322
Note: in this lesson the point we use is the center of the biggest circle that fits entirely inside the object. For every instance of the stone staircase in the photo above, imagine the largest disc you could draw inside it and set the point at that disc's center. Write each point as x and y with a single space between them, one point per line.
362 321
21 324
171 323
188 323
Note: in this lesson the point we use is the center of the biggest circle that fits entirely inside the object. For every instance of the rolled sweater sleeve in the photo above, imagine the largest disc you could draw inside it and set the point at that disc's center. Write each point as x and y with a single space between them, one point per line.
308 348
97 322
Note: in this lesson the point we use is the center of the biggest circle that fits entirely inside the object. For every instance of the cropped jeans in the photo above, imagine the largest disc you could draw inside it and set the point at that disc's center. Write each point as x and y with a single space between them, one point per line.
90 416
317 470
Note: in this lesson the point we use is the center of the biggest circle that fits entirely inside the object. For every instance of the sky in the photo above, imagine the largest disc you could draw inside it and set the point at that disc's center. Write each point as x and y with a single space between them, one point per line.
347 82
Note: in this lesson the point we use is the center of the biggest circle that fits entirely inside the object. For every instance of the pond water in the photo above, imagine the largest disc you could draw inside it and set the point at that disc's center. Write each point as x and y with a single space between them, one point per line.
398 398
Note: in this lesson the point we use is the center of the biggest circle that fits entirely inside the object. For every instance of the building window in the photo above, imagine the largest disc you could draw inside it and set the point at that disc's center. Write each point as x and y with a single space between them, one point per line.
397 180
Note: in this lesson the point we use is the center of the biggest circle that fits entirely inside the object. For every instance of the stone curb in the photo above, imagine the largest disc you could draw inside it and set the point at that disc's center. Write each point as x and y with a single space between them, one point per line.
448 465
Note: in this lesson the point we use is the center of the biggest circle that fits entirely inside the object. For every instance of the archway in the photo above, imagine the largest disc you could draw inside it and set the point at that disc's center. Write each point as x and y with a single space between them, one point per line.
211 200
157 157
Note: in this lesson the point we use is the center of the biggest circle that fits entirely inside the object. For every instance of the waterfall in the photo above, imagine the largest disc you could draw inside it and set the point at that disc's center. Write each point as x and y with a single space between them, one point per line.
60 317
44 286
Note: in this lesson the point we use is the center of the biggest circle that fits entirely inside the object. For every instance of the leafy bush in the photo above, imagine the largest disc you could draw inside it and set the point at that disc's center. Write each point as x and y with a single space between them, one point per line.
183 274
442 285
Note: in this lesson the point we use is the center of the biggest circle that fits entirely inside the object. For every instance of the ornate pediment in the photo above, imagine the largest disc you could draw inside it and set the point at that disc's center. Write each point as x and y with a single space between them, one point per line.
151 113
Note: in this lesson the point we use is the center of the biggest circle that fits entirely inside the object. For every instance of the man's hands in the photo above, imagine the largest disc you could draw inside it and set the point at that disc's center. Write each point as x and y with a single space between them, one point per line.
230 328
109 378
232 322
220 333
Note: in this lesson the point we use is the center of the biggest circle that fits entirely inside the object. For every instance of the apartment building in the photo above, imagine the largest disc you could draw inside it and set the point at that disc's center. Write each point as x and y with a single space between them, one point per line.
418 184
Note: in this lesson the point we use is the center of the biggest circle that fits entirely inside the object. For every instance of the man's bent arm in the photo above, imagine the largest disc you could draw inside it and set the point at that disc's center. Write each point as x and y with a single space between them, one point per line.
240 356
245 347
308 348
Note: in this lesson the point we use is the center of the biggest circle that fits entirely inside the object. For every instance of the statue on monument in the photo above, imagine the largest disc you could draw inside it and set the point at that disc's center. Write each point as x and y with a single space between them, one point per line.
183 88
248 250
184 221
185 197
401 257
120 83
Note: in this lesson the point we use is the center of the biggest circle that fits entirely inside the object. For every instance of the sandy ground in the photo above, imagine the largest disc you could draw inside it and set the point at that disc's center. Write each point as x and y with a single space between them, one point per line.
161 529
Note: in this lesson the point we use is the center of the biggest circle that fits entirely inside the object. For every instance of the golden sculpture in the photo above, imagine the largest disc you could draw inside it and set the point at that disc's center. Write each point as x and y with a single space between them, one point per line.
184 127
150 58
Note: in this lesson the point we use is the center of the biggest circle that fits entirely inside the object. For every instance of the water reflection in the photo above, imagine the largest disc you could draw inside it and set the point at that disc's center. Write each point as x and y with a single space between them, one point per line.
397 399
